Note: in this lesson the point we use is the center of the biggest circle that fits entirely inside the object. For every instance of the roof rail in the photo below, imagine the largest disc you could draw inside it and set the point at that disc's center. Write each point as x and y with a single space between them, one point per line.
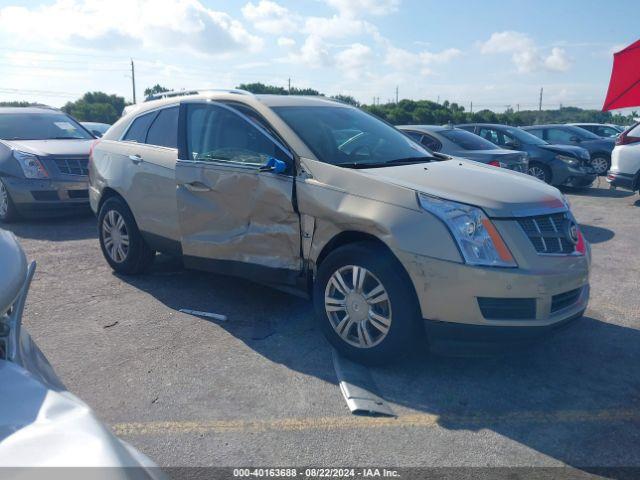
181 93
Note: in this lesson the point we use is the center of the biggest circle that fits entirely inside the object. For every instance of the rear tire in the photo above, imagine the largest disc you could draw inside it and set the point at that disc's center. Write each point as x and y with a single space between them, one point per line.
120 240
377 320
540 171
8 212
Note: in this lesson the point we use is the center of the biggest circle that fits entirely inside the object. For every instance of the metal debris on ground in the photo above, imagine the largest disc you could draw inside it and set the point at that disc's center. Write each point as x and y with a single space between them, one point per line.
357 387
198 313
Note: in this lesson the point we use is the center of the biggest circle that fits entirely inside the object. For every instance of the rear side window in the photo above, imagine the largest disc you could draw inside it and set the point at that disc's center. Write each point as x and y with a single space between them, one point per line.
164 129
431 143
414 135
138 130
466 140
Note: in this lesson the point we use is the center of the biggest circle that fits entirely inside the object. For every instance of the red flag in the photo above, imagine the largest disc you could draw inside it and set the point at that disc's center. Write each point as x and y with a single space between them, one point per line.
624 86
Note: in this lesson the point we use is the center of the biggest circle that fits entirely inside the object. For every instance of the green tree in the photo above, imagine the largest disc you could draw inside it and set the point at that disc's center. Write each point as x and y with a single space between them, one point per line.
157 88
348 99
261 88
18 104
96 107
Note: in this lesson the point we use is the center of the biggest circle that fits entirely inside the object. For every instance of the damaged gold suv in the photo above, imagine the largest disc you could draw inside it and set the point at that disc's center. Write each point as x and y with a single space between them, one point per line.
317 197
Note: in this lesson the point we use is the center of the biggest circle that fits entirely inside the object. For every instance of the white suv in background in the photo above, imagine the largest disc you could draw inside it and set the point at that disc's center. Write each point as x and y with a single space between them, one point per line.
625 160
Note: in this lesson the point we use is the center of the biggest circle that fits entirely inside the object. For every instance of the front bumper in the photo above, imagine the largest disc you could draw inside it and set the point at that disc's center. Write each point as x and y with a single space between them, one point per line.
450 296
35 197
623 180
583 180
563 174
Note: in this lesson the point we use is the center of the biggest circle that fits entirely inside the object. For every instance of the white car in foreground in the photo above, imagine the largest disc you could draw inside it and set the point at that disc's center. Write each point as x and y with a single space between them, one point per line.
41 423
625 160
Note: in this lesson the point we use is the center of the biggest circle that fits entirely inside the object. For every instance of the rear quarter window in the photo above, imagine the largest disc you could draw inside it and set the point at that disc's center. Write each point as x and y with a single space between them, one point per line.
138 130
164 129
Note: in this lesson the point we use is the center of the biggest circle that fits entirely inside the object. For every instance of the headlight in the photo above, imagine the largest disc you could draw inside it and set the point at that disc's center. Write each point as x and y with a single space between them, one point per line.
31 165
477 238
568 160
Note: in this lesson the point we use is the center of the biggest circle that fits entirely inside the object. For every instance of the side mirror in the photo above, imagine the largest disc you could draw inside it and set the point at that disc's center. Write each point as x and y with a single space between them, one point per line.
274 165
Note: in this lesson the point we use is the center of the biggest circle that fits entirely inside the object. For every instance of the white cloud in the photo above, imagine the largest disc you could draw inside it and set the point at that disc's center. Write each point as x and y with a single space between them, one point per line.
314 53
286 42
361 8
557 61
404 60
525 54
337 26
353 61
148 23
270 17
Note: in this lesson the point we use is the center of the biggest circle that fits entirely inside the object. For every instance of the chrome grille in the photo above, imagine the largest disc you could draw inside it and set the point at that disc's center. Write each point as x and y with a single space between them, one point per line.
547 234
73 166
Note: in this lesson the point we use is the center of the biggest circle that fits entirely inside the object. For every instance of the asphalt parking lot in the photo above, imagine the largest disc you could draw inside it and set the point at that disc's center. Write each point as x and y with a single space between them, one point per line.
260 389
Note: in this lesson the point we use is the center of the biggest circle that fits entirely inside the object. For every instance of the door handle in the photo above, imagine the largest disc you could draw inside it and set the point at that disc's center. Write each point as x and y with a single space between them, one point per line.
197 187
135 159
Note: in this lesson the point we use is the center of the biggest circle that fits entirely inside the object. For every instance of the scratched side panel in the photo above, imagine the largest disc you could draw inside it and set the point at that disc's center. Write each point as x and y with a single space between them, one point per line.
342 200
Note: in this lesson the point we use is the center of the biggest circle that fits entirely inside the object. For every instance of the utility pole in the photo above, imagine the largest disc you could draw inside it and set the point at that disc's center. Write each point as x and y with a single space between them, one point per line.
289 85
518 106
438 99
133 80
396 93
471 107
540 102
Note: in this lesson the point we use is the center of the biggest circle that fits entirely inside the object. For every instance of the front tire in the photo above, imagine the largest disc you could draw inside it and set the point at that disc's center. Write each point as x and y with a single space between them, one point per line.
8 212
540 171
365 304
600 165
120 240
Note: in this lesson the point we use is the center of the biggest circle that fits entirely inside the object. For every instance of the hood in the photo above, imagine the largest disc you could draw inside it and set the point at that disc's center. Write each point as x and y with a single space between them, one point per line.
13 270
600 144
41 427
52 147
499 192
578 152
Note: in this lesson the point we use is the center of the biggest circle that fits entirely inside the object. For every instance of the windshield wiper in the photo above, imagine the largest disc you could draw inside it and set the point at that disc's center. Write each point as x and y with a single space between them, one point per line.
410 160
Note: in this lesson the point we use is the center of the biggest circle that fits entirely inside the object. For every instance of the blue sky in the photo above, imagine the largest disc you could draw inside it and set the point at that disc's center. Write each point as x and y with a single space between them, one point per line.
492 53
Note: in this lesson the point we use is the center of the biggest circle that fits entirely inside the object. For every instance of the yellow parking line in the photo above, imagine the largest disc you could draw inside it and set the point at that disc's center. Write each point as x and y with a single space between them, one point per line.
422 420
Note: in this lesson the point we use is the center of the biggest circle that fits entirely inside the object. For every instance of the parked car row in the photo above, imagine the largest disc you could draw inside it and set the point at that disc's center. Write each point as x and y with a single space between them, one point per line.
389 230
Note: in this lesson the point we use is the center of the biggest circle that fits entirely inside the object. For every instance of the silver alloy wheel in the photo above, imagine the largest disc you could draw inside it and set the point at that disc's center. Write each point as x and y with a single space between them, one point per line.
358 306
538 172
600 165
115 236
4 200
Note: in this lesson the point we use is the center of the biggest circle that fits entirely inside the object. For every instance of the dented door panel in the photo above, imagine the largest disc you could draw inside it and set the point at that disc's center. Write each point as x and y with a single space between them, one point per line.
238 214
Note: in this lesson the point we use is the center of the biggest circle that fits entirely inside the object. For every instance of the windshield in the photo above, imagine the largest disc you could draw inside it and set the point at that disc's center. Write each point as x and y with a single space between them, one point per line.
467 140
349 137
40 126
524 137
